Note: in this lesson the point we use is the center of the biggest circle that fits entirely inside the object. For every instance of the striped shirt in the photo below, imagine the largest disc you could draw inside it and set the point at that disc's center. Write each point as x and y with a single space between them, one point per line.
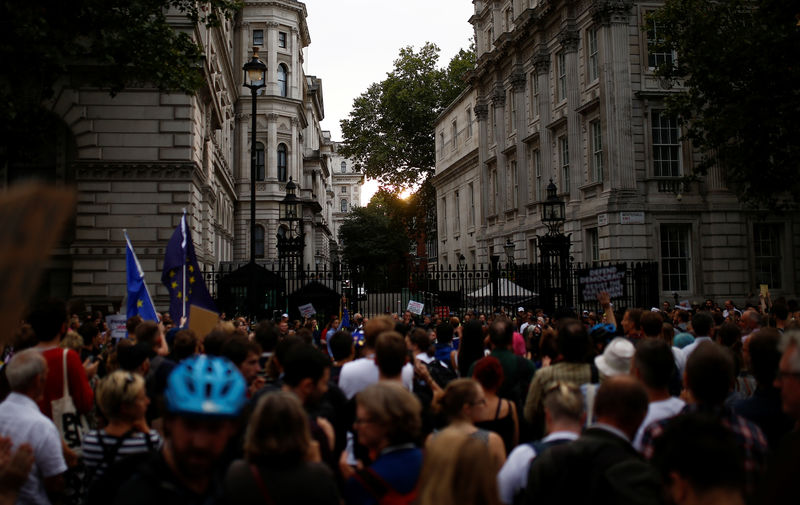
97 460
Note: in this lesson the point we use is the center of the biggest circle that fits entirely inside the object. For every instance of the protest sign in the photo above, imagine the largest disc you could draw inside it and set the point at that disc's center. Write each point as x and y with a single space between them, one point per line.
307 310
415 307
116 326
610 279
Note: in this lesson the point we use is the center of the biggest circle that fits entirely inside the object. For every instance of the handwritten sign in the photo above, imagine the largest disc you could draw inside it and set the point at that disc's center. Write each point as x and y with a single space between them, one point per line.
415 307
595 280
116 326
307 310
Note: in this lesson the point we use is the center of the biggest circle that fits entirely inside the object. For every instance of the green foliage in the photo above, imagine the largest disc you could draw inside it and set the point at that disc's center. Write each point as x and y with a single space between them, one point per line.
110 44
373 237
390 131
739 62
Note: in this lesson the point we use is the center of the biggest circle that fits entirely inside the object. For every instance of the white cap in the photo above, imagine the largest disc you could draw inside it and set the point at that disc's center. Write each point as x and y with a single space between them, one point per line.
520 309
285 315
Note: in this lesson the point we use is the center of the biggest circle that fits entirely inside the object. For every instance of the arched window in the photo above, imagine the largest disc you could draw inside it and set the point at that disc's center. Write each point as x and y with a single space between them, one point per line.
344 167
259 161
282 162
282 74
344 205
259 241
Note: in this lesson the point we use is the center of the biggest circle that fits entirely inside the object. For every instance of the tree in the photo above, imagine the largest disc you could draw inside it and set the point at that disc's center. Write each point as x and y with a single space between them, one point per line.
111 44
738 61
390 131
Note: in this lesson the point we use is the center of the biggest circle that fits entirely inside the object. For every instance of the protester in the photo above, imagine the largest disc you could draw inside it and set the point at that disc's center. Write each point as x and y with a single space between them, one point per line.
461 404
603 465
471 347
204 396
23 423
387 423
281 464
454 472
564 418
498 414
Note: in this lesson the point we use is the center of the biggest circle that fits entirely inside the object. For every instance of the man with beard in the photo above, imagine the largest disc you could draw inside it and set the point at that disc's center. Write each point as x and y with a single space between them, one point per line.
204 396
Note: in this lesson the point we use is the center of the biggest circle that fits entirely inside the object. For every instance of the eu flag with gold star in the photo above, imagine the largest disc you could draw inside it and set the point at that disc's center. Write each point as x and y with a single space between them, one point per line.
139 301
182 276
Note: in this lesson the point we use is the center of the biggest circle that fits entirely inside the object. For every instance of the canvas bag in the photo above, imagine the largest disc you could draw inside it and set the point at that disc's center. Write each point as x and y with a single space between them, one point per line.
71 425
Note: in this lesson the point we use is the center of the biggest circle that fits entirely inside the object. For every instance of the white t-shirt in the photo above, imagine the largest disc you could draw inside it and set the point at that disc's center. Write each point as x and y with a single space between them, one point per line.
656 411
513 477
689 349
357 375
23 422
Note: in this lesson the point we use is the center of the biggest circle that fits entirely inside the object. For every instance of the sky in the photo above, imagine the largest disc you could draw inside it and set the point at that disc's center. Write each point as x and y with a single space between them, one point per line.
355 42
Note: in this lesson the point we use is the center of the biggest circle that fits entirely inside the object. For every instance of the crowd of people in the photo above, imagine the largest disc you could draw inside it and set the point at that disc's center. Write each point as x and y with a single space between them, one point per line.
671 404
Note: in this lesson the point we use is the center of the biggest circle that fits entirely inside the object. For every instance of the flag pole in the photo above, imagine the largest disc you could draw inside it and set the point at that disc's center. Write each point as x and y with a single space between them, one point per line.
183 248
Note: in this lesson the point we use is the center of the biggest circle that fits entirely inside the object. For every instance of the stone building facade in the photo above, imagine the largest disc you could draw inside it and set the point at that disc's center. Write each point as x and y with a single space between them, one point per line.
139 158
566 91
346 188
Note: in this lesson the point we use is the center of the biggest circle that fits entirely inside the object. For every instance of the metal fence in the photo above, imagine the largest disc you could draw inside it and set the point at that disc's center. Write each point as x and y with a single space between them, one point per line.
440 289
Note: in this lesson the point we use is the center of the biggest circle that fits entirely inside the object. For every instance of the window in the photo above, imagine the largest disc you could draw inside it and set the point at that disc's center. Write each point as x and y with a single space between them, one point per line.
563 143
441 145
282 162
513 108
469 122
561 60
471 204
259 161
597 151
343 167
666 149
489 39
455 133
282 39
457 213
534 96
675 258
656 58
344 205
259 241
282 73
344 189
514 185
509 19
532 253
258 38
767 249
593 68
444 217
592 245
493 190
537 170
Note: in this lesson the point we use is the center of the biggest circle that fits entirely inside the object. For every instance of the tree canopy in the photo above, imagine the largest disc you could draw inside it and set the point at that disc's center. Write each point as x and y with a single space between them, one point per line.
110 44
738 61
390 131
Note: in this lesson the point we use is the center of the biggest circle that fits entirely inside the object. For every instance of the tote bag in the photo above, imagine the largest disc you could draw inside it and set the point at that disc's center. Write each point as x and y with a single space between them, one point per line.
71 425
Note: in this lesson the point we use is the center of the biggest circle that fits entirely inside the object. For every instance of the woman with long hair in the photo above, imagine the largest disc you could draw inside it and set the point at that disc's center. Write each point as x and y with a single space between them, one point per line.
498 415
471 348
461 403
281 460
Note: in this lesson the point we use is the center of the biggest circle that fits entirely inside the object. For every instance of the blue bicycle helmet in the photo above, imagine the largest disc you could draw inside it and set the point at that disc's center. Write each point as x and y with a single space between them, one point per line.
206 386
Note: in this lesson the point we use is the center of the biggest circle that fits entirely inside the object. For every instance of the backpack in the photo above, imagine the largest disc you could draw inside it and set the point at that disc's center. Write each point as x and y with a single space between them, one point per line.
104 489
381 490
441 373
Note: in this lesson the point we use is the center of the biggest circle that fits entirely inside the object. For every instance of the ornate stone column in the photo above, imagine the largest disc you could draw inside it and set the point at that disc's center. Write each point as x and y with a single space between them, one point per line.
518 81
569 44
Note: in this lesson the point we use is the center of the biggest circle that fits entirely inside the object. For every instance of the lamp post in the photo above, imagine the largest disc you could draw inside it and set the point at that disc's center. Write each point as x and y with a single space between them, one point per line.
554 249
254 78
462 266
291 244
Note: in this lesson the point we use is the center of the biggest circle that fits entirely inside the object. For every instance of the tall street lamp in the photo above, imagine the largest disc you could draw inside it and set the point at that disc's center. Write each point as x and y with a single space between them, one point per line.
554 247
254 78
291 244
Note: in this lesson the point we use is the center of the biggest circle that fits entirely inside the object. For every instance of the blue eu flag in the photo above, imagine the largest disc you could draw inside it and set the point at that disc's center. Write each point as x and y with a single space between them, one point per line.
181 275
139 301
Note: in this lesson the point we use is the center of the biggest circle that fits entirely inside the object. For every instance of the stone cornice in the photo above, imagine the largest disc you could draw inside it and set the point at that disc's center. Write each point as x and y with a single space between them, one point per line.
181 171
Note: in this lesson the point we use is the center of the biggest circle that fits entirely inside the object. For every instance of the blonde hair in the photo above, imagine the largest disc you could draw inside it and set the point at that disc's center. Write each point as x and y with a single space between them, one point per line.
118 389
71 341
454 472
278 432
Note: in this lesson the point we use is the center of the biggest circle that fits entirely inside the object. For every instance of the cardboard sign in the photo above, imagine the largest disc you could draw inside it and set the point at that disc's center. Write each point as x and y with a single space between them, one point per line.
116 326
596 280
201 320
307 310
764 288
415 307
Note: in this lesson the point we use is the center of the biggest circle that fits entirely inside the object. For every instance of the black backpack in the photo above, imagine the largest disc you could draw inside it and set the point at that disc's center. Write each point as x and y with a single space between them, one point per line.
441 373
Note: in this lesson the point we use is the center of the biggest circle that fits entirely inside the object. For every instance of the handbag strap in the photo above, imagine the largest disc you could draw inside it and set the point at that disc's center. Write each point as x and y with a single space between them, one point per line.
260 483
65 389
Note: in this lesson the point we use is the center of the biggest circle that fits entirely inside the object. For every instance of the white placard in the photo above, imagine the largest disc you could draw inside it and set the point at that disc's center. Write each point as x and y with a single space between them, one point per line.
415 307
116 325
307 310
602 219
631 218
